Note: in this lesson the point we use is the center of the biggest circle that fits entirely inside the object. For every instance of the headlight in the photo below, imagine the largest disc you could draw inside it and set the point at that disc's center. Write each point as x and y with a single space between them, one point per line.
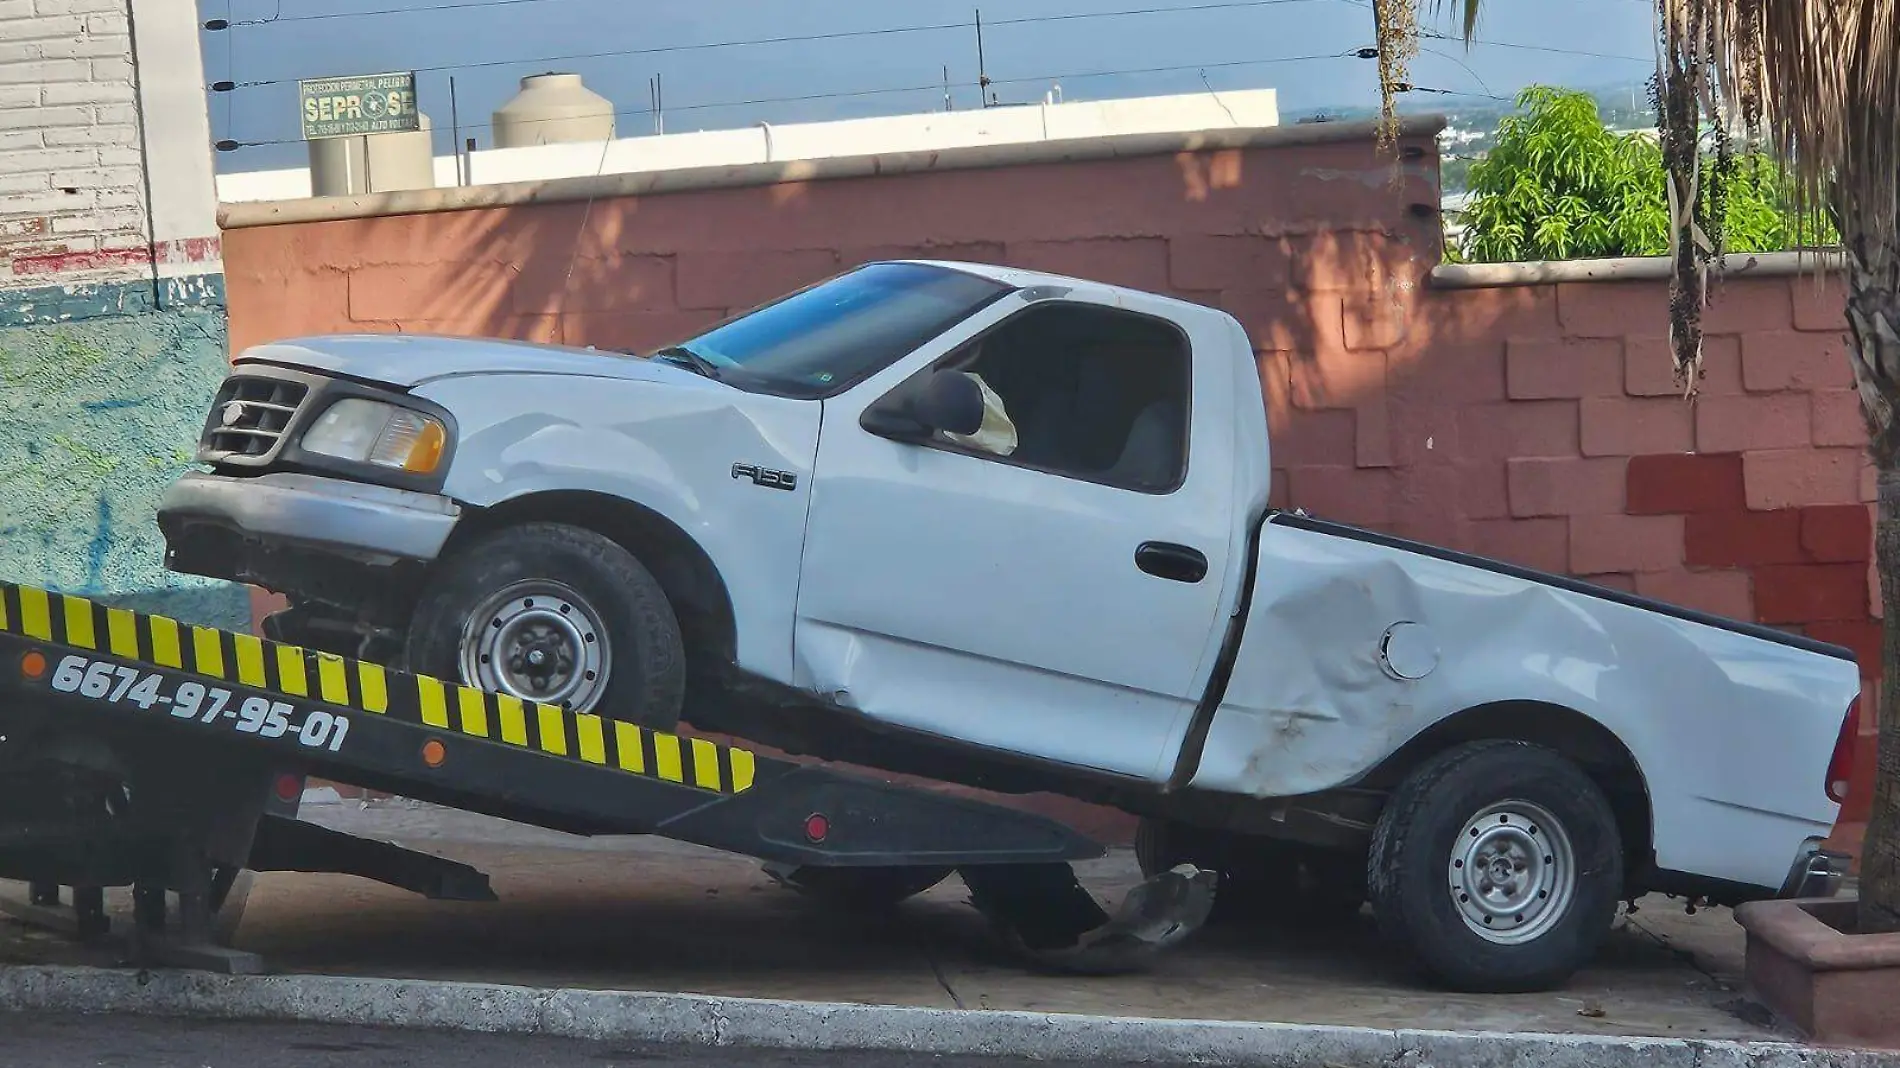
368 431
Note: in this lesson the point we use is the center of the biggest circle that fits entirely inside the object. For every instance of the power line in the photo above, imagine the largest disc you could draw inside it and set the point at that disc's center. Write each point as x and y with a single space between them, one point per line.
232 145
461 5
1437 36
227 86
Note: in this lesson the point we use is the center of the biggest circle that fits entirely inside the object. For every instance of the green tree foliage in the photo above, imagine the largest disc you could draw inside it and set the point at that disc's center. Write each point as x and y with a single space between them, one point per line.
1560 184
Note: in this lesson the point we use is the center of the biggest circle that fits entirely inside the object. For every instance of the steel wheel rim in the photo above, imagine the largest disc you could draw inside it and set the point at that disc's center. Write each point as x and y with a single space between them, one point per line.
1512 872
539 641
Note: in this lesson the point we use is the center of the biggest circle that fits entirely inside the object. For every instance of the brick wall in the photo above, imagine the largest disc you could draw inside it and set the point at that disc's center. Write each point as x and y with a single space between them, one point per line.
1534 423
72 191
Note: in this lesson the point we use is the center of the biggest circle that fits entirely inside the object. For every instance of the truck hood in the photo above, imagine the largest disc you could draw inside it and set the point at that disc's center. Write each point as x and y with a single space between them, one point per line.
409 360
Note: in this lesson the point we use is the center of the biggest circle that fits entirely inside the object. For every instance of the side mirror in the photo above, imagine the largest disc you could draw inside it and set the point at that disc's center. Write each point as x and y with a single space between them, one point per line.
947 401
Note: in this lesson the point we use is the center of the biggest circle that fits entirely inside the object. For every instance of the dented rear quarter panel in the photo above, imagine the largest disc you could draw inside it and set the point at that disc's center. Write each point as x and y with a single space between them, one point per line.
1732 732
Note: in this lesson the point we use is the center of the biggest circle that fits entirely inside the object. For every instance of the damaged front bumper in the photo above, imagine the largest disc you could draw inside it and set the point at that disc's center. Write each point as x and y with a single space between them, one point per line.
1045 915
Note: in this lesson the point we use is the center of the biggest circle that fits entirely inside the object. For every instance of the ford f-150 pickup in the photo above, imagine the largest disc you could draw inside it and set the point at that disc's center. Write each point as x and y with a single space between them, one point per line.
1012 530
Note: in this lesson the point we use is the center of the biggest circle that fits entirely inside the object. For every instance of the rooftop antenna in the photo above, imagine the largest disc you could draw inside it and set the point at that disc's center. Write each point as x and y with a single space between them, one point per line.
947 106
982 72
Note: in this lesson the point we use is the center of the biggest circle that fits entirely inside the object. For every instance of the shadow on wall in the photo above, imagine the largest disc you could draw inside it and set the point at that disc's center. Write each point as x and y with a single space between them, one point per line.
97 417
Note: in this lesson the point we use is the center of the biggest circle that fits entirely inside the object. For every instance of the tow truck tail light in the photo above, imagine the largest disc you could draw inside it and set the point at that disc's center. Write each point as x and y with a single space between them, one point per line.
1840 769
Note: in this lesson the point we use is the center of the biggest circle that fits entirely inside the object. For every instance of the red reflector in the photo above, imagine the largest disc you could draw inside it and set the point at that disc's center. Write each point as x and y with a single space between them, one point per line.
289 787
1840 768
817 826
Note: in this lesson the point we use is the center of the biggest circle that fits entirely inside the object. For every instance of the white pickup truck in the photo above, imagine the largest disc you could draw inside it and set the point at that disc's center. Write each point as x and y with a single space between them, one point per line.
1012 529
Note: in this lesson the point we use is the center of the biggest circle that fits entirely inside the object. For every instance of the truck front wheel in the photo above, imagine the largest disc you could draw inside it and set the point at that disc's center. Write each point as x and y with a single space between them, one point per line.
1498 863
554 614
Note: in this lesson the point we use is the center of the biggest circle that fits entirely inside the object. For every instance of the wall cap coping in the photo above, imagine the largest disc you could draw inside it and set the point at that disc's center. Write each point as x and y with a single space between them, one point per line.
1625 269
237 216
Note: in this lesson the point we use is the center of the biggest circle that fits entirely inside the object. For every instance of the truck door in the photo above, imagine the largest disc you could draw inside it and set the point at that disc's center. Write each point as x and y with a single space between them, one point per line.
1057 595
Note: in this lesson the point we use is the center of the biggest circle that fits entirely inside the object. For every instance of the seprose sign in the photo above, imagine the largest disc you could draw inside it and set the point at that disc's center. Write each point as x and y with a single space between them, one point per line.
368 104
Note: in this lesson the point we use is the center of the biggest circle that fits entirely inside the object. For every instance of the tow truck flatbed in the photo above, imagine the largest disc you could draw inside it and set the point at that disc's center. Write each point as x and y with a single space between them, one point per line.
139 750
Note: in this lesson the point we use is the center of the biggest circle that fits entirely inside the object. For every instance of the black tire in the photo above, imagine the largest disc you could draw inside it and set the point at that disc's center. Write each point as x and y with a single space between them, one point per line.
1416 880
1262 880
646 666
872 889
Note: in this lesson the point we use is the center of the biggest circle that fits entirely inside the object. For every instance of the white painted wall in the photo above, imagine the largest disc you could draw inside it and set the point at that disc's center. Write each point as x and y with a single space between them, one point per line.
72 193
95 96
818 140
178 166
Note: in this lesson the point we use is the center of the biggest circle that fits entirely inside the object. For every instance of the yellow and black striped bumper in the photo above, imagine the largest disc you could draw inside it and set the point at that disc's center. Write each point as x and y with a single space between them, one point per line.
358 686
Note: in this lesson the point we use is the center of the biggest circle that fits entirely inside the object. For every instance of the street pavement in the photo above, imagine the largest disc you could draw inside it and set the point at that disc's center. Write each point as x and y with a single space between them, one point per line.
38 1041
647 914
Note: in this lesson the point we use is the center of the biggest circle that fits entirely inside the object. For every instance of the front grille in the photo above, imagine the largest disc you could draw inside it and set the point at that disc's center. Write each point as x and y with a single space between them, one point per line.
249 418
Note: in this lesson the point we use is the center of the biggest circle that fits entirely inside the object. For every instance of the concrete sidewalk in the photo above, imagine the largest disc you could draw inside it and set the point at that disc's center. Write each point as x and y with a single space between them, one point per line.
635 914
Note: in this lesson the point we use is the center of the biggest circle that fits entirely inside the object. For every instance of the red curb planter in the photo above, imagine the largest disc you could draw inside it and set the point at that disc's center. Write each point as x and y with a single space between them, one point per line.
1808 967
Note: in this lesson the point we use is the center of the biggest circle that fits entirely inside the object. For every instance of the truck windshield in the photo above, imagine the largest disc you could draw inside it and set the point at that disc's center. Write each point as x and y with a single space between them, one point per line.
827 337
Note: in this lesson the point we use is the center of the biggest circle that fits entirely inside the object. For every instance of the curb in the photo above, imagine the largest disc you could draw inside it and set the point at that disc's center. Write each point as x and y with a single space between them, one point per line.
660 1019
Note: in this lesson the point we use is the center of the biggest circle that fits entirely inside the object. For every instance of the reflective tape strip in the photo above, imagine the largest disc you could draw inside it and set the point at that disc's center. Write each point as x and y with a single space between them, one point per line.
553 727
434 703
292 677
473 708
666 757
79 629
166 650
374 686
590 739
514 719
705 764
122 633
36 614
627 748
207 651
333 678
741 770
250 659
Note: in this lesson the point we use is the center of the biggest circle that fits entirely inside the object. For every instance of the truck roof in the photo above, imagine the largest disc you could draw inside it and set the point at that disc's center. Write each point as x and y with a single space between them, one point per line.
1024 278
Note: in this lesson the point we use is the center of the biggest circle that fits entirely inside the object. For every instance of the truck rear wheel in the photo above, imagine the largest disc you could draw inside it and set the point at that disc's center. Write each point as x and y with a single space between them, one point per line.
554 614
1498 864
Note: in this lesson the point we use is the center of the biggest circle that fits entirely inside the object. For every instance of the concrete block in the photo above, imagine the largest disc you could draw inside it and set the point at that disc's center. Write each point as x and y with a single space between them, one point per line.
1601 544
1679 484
1635 426
1795 360
1564 486
1539 369
1792 478
1649 367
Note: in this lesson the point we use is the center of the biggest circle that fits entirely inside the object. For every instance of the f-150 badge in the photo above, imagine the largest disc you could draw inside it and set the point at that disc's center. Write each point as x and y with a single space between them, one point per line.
760 476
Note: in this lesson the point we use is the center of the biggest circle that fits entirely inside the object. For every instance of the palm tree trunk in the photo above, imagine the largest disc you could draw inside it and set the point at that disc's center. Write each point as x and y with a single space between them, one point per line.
1873 318
1880 853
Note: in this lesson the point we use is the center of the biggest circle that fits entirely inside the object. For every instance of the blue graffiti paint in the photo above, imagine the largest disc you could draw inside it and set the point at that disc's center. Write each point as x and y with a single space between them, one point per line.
100 407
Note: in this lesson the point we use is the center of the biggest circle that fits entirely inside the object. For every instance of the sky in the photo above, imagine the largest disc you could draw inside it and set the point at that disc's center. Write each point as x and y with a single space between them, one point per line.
1102 49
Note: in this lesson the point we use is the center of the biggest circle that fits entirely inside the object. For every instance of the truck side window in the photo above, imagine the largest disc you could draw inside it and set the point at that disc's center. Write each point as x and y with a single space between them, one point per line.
1093 393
